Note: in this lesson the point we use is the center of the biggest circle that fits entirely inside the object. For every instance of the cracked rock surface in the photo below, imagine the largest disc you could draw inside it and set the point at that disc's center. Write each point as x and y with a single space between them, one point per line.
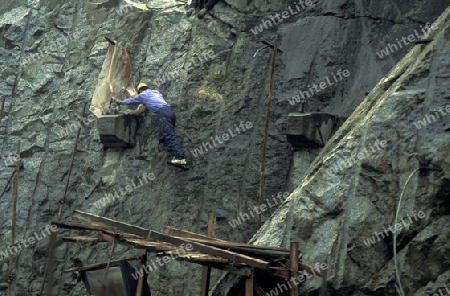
51 53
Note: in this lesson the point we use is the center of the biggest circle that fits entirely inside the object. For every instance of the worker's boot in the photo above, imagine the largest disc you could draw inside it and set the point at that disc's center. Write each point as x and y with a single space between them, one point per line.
190 11
201 14
178 161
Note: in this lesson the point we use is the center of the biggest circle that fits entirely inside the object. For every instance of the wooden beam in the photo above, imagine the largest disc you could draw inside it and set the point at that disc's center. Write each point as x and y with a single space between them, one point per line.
81 239
200 258
232 256
211 225
249 250
51 263
79 226
69 172
187 234
104 232
239 247
105 237
249 286
206 273
266 134
206 278
220 243
113 245
140 287
99 265
13 221
111 224
168 249
294 267
151 246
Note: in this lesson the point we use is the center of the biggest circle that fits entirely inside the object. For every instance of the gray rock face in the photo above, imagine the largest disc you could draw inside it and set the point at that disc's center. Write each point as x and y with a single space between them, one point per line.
379 187
51 55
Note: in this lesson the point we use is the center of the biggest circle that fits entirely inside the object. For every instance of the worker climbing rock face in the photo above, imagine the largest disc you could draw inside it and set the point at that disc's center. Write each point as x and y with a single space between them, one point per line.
199 4
154 101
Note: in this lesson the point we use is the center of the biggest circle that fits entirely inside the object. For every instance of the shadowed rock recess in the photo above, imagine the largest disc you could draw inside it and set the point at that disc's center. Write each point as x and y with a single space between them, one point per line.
389 156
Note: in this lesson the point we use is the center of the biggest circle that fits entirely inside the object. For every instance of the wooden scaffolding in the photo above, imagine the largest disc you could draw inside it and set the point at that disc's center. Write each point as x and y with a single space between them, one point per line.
238 258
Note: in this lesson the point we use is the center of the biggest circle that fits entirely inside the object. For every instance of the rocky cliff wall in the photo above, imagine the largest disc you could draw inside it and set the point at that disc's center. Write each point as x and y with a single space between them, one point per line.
374 204
51 54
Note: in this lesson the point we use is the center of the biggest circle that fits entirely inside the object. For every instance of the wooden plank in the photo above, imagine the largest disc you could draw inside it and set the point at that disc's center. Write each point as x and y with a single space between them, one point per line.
114 226
211 225
202 258
79 226
140 242
218 242
253 251
293 291
69 172
140 286
167 249
249 286
248 249
206 273
113 245
81 239
187 234
106 237
105 233
51 263
13 221
99 265
149 245
266 134
206 278
111 224
232 256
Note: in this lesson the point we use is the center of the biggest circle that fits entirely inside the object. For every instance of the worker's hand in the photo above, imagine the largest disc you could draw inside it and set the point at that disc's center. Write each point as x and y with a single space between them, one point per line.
116 101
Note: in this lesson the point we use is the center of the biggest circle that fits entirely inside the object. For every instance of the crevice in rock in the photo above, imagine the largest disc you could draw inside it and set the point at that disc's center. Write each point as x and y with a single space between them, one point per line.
18 76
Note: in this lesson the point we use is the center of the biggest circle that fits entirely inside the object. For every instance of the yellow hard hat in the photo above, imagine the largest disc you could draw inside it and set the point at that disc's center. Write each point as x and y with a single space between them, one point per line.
142 84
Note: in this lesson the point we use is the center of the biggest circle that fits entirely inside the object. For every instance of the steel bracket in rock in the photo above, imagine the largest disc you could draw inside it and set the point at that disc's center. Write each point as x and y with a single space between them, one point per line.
117 131
311 130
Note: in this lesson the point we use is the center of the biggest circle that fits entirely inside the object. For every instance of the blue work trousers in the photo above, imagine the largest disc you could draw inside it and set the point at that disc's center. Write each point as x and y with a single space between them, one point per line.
167 137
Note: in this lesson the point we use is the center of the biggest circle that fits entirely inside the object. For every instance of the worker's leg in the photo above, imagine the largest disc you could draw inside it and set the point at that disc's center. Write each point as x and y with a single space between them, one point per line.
194 4
170 141
210 4
162 141
163 123
192 7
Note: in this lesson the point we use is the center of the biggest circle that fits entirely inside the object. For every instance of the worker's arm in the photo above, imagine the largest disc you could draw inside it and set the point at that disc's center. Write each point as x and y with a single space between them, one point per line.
136 100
